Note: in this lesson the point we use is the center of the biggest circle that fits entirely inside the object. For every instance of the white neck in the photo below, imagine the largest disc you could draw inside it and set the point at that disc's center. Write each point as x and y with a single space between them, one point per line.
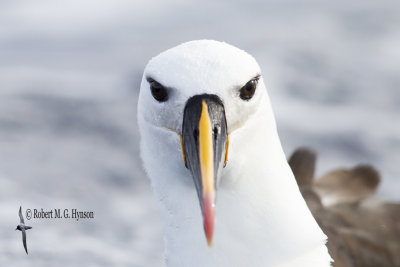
261 217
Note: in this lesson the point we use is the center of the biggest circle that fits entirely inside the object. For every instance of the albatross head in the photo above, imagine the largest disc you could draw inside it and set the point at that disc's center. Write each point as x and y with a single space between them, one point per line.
210 147
202 91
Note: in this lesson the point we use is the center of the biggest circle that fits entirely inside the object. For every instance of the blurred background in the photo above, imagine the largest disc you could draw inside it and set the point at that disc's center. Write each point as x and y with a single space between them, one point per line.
69 79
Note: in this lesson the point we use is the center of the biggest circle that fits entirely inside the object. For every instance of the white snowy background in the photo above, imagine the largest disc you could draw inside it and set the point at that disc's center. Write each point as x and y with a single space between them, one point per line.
69 80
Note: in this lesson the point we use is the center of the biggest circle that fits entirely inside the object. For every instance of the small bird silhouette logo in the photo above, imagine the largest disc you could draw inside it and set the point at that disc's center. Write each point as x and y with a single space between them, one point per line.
22 227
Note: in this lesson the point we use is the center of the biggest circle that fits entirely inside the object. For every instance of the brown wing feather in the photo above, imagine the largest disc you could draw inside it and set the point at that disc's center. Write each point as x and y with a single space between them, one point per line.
302 163
347 186
362 231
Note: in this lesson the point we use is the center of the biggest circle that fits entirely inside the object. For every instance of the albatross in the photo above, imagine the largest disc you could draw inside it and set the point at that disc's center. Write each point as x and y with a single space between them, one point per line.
23 228
227 195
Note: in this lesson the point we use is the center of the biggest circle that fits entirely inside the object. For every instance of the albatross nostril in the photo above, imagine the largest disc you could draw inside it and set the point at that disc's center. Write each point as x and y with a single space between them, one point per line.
216 132
196 134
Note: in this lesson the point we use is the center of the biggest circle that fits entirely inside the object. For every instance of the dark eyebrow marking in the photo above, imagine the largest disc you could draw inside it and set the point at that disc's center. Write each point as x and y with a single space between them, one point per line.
150 79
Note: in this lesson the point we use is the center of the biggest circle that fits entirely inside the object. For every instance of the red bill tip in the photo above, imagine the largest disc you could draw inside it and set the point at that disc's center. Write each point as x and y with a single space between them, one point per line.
209 216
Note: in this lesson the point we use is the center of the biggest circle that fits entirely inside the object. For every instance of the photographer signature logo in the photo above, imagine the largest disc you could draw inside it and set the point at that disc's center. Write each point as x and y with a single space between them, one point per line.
50 214
23 228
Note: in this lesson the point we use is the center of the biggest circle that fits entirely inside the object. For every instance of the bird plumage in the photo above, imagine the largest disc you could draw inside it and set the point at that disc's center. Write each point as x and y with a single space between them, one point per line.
362 230
261 217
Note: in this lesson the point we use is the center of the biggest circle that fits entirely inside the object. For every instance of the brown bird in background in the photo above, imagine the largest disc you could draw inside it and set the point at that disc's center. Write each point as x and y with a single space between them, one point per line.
362 230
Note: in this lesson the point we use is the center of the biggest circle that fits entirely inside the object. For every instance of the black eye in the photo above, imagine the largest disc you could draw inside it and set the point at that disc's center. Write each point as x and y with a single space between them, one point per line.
248 90
158 91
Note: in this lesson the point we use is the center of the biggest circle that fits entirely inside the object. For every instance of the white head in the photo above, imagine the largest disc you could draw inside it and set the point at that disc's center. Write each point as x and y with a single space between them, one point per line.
227 81
195 68
203 99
